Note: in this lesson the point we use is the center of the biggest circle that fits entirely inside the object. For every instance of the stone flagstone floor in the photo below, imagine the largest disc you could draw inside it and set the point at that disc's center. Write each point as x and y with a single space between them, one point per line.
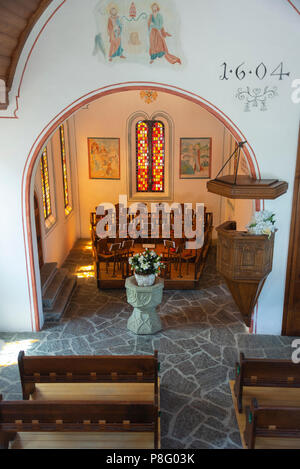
202 336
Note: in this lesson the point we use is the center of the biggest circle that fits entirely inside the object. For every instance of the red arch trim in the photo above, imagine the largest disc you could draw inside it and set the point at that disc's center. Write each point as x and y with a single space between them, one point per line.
295 8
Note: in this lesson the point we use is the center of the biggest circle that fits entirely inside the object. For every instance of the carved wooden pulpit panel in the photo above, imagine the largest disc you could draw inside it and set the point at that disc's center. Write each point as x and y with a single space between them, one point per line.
245 261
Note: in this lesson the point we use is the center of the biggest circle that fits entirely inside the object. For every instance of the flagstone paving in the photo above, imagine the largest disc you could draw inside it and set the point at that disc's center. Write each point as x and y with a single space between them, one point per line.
202 335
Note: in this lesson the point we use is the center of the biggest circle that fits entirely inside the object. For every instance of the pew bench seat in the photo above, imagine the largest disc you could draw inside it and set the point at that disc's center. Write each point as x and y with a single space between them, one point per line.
118 377
102 392
266 396
86 440
277 443
139 392
264 373
109 381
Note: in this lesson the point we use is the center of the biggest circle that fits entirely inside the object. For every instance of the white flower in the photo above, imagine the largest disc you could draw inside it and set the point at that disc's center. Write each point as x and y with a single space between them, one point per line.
262 223
146 262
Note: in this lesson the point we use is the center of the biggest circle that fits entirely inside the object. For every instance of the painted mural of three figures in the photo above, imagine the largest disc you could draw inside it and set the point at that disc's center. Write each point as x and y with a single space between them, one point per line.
136 33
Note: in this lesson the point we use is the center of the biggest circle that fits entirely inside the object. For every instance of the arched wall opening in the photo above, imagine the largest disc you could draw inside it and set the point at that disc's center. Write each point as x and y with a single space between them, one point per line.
48 131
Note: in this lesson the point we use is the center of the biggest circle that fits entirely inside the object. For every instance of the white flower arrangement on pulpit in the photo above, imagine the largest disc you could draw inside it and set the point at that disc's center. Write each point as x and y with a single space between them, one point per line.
146 267
262 223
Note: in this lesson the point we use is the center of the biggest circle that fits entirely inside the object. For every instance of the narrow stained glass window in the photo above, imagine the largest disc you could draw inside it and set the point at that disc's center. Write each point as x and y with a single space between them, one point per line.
45 184
150 156
158 157
67 204
142 164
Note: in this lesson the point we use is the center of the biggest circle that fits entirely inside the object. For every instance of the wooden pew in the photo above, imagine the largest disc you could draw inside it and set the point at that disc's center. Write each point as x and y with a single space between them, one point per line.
272 427
108 377
252 372
53 424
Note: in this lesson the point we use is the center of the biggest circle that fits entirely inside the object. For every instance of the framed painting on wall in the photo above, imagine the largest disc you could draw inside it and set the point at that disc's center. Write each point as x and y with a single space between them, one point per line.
104 158
195 158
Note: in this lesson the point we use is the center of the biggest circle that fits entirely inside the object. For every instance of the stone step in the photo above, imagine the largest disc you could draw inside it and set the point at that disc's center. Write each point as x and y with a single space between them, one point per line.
54 288
48 271
61 302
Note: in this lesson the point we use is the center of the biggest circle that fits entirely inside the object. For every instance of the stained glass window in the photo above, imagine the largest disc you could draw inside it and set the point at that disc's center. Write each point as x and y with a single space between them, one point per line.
68 207
45 184
150 156
142 157
158 157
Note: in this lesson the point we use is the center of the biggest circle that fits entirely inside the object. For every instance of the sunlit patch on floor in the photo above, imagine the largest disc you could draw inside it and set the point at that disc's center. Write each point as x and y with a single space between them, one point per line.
86 271
10 350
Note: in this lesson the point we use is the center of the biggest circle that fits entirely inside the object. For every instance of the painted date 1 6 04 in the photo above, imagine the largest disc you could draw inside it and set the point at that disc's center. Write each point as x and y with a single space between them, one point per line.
261 71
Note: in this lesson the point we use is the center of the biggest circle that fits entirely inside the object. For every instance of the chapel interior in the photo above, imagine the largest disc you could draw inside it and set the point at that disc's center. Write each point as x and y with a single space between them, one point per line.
71 217
178 363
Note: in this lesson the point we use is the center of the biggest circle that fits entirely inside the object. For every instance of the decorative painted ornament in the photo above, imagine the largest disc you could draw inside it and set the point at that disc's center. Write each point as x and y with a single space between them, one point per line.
149 96
132 10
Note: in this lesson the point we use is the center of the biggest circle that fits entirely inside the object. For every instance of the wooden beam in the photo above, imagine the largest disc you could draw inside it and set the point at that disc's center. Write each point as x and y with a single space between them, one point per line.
291 311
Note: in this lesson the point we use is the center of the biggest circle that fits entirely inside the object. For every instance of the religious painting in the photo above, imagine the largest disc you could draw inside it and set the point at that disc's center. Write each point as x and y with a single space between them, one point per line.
144 31
104 158
195 158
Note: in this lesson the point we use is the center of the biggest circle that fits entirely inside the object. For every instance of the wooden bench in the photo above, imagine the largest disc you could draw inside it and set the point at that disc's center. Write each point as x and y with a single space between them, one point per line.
265 423
78 424
252 372
91 377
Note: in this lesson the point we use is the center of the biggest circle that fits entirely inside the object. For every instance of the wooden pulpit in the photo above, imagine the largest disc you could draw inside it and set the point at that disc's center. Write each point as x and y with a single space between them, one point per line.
245 261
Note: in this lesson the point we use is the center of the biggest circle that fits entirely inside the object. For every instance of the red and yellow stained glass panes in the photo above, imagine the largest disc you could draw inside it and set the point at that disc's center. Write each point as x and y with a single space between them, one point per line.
142 156
150 156
45 184
158 157
68 207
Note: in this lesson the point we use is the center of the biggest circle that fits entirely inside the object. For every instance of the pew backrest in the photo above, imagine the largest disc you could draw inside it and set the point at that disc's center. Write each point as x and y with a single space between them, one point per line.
87 369
265 373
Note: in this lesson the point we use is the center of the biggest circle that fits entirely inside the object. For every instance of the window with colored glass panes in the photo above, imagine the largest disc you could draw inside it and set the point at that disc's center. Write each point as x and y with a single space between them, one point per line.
68 207
150 156
45 184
